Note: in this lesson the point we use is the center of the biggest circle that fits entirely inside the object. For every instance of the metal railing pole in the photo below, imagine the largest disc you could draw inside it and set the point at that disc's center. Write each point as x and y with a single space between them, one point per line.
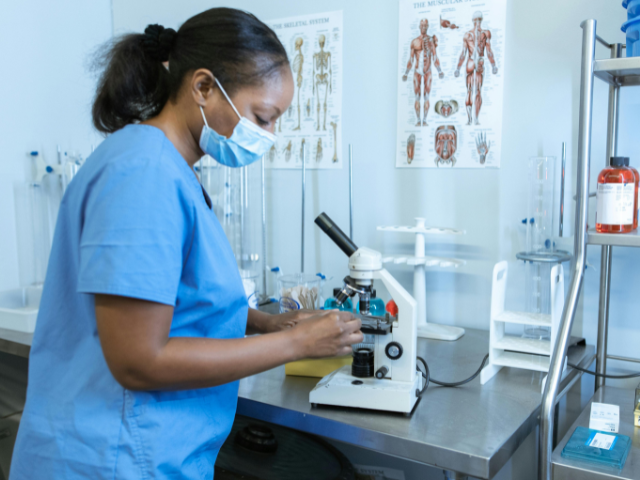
582 208
605 259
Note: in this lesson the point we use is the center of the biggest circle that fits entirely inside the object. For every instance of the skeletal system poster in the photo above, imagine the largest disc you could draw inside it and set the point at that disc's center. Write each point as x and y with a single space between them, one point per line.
314 119
450 83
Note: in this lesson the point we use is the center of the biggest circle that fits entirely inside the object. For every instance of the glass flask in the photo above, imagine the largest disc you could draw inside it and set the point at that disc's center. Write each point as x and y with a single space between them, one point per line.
236 197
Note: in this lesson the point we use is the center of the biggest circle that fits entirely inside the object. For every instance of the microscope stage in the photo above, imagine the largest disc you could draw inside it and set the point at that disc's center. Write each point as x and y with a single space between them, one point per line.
341 389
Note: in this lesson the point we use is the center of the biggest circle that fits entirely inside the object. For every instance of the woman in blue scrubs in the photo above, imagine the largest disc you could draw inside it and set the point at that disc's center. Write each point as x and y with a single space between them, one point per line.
140 341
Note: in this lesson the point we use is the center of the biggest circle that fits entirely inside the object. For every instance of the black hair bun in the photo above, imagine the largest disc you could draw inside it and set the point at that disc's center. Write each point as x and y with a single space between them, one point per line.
157 42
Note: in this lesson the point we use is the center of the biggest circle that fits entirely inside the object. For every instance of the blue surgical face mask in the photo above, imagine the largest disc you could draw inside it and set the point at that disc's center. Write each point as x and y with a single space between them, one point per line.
247 144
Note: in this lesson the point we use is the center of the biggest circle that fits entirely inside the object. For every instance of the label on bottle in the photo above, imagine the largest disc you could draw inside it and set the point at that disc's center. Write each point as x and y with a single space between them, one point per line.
616 202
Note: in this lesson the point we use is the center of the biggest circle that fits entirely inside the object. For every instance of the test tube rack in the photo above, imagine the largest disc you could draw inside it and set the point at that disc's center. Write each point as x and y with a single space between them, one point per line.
514 350
420 261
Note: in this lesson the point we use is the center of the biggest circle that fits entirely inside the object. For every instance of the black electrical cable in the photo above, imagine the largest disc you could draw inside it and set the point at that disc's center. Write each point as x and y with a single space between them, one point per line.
595 374
427 376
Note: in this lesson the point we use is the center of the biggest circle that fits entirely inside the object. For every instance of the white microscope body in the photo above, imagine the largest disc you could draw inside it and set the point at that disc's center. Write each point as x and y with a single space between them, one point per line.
395 383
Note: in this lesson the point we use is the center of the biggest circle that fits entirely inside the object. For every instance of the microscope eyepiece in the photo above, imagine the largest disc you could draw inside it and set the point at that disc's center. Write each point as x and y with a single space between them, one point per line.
332 230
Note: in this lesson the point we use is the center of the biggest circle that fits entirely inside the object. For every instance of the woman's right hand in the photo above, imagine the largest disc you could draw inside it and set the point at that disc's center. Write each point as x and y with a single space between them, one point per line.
328 334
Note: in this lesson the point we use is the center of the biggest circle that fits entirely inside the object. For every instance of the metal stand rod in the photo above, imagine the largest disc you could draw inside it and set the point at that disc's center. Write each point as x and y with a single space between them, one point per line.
623 359
582 208
304 182
564 165
264 231
350 192
603 315
607 250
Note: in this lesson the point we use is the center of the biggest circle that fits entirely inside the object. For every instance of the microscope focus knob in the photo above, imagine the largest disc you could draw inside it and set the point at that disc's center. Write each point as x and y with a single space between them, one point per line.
393 350
382 372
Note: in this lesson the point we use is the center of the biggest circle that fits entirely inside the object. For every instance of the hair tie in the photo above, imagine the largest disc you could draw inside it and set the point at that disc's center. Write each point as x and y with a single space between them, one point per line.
158 41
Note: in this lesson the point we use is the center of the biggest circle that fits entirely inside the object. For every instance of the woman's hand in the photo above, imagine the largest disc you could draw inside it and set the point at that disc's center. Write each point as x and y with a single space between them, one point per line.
282 321
261 322
328 334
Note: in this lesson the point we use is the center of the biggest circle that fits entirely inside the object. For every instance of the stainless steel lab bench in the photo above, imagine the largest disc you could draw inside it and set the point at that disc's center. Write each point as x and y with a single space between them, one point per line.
472 430
567 469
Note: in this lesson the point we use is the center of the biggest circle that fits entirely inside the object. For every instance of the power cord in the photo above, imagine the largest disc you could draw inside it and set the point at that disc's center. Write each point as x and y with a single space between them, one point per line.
427 376
595 374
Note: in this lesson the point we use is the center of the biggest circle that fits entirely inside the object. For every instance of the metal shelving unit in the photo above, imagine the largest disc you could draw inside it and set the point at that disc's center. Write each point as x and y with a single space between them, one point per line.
617 71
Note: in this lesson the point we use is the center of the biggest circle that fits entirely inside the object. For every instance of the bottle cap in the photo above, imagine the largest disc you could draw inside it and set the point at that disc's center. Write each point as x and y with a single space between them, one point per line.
392 308
619 161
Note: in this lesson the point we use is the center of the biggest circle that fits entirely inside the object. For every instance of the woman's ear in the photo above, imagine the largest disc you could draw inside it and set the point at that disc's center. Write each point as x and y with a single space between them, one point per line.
203 85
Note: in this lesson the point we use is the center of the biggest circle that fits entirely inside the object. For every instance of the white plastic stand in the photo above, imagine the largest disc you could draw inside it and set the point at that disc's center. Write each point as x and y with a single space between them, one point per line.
420 261
514 351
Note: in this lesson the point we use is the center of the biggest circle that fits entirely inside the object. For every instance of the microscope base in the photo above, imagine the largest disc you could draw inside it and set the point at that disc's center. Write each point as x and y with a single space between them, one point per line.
439 332
338 389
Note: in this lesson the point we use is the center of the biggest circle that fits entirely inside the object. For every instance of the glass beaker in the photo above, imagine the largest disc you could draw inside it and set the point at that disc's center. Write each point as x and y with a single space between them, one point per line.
541 209
236 196
299 291
250 284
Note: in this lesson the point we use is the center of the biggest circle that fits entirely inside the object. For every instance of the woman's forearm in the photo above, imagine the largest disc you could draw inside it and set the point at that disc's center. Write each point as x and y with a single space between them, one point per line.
185 363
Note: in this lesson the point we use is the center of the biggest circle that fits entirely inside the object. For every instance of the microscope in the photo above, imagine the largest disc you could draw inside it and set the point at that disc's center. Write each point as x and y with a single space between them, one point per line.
384 373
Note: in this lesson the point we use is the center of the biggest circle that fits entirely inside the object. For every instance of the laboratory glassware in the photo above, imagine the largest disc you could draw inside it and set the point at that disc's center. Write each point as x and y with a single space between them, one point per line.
236 197
299 291
332 303
541 253
637 196
616 198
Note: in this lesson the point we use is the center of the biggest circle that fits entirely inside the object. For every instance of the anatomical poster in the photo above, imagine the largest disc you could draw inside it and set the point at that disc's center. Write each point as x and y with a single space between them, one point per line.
313 122
450 83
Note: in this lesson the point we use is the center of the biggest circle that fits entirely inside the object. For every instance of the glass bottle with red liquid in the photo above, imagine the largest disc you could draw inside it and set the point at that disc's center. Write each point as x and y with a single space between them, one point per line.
635 210
616 198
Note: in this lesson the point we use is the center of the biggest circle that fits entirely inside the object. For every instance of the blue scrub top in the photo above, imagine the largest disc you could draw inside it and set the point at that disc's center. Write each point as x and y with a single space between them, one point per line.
134 222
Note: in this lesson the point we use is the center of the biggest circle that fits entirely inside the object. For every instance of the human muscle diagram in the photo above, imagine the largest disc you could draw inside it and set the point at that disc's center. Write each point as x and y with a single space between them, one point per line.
421 53
474 44
314 45
452 110
446 144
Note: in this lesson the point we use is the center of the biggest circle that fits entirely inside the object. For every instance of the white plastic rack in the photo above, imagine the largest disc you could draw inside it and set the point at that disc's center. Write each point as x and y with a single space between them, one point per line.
515 351
419 261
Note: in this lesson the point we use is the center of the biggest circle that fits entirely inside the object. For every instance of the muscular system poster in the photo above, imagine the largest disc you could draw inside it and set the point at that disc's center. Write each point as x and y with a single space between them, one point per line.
314 119
450 83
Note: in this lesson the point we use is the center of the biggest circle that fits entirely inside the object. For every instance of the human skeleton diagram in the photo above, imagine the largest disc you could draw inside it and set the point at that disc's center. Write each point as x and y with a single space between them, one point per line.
272 153
446 144
473 45
335 142
423 47
302 144
287 151
298 61
322 64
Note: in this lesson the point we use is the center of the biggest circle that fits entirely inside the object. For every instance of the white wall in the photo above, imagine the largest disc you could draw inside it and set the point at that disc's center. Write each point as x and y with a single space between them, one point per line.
45 95
542 67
